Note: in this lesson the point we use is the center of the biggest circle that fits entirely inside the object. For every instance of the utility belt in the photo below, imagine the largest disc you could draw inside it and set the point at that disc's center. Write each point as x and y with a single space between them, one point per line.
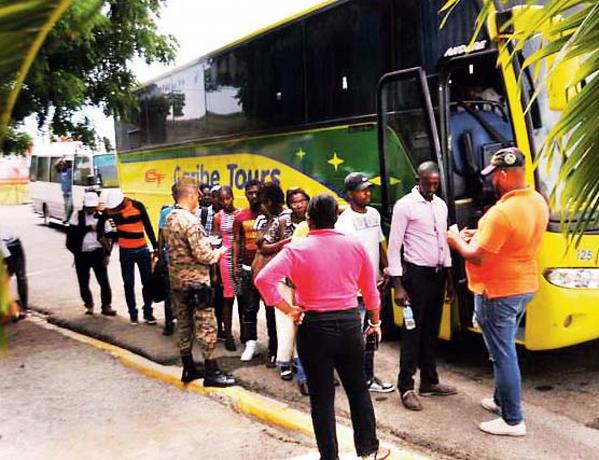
199 296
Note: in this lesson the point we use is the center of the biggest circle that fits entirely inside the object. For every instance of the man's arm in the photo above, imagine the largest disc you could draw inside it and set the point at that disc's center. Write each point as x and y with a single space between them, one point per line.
399 223
200 247
472 252
147 224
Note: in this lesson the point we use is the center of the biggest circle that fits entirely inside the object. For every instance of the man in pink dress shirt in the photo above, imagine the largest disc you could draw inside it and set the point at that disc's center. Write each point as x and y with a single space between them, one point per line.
327 269
419 225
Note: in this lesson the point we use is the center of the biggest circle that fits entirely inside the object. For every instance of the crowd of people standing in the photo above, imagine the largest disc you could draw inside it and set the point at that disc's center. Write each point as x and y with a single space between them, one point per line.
320 275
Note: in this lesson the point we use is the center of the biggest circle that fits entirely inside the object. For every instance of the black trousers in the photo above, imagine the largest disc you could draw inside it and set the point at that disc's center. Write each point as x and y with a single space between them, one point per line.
426 288
248 299
86 261
329 341
16 266
271 328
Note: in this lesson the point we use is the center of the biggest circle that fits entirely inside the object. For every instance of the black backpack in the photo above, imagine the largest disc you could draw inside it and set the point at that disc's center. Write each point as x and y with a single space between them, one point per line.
75 234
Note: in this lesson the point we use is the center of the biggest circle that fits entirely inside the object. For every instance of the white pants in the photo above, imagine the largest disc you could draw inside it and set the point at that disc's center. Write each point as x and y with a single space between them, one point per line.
286 329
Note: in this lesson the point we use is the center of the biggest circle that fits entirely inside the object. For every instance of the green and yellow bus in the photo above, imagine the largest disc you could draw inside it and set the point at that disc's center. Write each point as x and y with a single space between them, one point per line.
372 86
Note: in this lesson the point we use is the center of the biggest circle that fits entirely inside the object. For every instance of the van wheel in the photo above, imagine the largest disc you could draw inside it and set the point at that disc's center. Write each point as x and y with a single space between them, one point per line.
45 215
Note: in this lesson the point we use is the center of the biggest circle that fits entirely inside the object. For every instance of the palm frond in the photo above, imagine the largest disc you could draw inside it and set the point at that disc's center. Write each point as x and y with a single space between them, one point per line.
569 32
23 27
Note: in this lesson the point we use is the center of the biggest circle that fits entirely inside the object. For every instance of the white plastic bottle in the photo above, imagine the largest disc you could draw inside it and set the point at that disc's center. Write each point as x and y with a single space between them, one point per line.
408 316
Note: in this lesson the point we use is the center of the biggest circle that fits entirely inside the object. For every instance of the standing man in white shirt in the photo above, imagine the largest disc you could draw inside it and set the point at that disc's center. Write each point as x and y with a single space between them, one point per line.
363 223
15 264
419 225
90 254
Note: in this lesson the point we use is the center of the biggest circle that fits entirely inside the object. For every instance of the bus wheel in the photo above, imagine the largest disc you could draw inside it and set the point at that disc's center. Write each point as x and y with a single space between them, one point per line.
45 215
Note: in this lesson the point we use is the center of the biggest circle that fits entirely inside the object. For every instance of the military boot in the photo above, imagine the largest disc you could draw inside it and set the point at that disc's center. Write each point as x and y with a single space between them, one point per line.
215 377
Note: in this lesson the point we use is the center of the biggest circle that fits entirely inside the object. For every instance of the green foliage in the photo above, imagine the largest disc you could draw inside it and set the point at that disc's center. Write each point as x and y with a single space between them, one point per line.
86 60
15 142
569 30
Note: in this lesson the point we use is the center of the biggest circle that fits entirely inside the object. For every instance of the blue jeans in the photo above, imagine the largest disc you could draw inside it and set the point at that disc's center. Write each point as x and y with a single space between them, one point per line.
141 257
499 319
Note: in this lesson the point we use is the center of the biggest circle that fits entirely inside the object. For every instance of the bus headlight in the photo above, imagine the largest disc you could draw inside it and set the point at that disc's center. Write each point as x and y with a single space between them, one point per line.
581 278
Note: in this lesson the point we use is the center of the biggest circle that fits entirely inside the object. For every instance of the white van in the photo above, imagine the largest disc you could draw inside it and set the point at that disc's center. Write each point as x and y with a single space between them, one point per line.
91 171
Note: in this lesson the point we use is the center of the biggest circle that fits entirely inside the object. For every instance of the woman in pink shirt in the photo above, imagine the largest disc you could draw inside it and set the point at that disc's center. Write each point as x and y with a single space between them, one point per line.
328 269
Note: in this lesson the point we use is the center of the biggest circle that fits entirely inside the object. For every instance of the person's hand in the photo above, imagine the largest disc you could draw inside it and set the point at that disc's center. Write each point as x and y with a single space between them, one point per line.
450 294
374 330
296 314
383 283
401 296
106 261
467 234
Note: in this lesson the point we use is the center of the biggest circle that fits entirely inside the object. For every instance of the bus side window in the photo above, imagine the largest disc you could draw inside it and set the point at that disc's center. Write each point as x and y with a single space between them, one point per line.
33 169
43 169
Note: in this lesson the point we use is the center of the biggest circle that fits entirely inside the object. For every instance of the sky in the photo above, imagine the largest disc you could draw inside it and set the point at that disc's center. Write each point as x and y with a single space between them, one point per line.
200 26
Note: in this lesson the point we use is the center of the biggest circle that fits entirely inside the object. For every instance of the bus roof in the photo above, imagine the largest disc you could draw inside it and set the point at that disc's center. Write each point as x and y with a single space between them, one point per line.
245 38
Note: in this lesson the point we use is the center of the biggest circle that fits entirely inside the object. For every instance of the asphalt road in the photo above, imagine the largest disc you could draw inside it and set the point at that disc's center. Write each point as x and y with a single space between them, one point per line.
60 399
561 388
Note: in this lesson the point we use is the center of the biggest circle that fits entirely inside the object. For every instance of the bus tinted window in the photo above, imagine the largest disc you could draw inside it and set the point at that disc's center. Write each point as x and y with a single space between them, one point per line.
33 169
54 174
82 172
276 81
347 50
227 95
43 169
175 106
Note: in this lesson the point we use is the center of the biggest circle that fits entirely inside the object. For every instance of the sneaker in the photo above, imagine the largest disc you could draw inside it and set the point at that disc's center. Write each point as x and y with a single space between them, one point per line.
501 428
377 386
437 389
89 309
230 344
108 311
169 329
410 401
489 404
150 320
134 322
286 373
250 350
380 454
303 388
271 362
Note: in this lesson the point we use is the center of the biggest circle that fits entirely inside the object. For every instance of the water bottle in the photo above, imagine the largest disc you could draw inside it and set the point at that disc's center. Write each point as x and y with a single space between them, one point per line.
408 316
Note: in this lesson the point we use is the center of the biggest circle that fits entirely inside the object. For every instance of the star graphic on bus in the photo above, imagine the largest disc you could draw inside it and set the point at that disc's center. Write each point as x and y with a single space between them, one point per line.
335 161
300 154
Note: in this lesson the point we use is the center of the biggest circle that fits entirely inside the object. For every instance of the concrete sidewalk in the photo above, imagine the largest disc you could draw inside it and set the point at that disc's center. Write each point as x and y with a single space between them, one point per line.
561 388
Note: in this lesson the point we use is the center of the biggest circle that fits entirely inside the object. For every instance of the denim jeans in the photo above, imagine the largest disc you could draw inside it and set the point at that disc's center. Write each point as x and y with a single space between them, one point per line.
325 342
499 319
129 258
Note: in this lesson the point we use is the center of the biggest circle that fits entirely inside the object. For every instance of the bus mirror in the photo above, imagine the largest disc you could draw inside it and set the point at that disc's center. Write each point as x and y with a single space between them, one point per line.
559 84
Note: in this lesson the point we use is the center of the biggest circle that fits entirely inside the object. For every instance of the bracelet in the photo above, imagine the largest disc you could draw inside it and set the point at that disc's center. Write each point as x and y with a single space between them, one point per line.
371 324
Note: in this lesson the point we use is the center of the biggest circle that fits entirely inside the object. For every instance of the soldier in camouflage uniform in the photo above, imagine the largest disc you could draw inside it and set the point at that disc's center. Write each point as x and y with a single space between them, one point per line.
190 255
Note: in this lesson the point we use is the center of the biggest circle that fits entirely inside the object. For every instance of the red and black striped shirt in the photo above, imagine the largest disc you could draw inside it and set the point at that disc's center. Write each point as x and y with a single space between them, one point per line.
131 220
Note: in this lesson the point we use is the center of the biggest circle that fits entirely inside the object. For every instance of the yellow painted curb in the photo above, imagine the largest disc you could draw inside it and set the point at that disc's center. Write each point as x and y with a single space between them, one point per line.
266 409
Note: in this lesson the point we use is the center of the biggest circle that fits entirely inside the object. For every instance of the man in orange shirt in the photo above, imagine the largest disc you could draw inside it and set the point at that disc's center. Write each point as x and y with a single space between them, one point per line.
503 275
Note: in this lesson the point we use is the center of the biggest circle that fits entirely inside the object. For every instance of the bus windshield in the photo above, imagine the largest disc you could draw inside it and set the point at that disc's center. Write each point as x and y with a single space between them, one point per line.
105 170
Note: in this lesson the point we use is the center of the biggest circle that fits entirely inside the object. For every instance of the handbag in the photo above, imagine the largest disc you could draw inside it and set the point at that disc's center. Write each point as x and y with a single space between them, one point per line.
159 281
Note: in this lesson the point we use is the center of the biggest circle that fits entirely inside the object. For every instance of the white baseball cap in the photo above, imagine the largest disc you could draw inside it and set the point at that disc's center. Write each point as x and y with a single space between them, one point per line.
91 200
114 198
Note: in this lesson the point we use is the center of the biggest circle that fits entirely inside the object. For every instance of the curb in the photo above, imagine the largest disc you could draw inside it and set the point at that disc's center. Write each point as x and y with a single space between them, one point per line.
265 409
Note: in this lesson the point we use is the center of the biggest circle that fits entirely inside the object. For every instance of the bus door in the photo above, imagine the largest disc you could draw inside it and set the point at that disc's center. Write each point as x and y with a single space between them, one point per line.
407 136
474 124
